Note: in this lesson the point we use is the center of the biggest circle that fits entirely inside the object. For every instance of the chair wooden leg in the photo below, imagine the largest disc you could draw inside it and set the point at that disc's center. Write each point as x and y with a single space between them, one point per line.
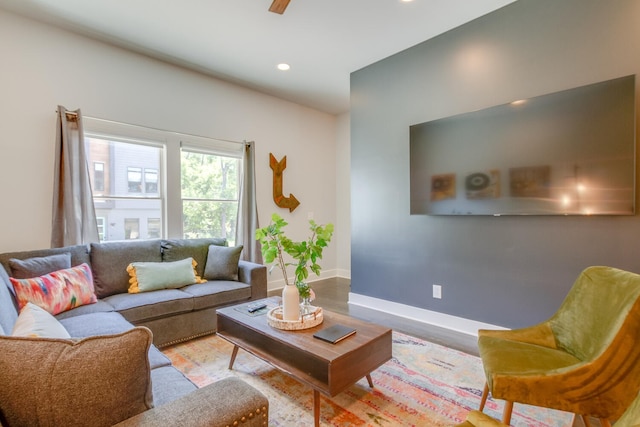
485 394
506 415
586 420
605 423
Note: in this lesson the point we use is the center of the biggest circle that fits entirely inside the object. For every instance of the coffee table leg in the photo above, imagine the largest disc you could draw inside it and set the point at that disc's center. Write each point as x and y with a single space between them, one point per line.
316 408
234 353
370 380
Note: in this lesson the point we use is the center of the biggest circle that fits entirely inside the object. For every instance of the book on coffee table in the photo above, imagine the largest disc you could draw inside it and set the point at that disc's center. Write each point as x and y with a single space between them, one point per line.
335 333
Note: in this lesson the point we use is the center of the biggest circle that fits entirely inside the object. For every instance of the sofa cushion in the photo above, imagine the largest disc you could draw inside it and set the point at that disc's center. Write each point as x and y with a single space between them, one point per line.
99 307
177 249
222 263
93 324
33 321
109 261
39 266
150 305
153 276
103 379
108 324
157 360
59 291
169 384
216 293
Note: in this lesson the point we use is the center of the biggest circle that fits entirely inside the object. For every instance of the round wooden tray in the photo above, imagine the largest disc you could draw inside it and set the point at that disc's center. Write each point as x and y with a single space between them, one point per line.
274 318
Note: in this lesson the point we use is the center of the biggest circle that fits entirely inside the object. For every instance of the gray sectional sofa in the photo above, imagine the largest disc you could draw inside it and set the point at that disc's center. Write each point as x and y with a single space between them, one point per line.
171 316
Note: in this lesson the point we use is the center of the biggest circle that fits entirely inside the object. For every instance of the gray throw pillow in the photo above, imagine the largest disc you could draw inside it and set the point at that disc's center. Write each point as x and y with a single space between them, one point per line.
100 380
222 263
39 266
109 262
177 249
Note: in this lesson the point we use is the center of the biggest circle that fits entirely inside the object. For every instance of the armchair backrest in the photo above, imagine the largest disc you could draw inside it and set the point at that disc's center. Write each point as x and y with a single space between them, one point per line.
602 303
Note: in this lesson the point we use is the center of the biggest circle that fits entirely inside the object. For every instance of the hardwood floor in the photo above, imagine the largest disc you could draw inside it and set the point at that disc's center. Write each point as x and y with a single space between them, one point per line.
333 294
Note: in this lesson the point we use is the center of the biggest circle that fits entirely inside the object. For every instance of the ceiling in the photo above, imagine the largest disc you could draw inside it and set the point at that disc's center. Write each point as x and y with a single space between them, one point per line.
242 42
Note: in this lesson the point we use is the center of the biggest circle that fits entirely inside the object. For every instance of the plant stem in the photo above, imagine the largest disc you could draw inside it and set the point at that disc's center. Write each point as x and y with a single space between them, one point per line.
283 266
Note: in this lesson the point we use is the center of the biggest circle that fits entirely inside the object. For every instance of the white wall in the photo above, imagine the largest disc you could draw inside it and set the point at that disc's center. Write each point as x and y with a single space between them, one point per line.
343 195
43 67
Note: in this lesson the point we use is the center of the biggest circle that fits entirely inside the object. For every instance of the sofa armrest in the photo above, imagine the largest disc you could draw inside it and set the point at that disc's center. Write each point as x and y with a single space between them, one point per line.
227 402
254 275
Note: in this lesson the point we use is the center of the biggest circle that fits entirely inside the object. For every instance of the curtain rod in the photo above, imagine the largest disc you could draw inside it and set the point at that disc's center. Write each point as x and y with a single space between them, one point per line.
73 116
245 142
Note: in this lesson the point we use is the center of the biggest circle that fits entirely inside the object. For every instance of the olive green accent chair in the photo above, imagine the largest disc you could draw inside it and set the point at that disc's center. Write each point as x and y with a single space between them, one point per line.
585 359
630 418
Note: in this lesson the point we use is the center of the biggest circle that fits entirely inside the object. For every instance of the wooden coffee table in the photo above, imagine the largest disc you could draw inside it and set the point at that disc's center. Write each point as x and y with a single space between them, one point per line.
326 368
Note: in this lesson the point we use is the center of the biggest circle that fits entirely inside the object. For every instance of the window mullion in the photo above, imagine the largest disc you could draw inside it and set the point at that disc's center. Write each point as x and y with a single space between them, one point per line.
174 190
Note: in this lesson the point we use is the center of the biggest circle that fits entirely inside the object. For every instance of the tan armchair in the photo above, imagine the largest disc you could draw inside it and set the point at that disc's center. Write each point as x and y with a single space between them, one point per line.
585 359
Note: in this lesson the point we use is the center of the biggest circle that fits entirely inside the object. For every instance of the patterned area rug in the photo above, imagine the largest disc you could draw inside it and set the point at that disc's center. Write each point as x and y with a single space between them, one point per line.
424 384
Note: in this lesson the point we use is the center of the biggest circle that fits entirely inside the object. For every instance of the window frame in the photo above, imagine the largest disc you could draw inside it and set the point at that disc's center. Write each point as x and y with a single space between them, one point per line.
169 174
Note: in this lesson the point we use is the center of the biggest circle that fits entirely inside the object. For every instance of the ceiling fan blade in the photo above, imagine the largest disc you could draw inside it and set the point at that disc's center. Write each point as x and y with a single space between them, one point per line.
278 6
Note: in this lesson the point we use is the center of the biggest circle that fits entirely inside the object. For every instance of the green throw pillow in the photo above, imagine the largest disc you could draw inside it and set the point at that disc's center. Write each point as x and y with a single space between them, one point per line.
222 263
153 276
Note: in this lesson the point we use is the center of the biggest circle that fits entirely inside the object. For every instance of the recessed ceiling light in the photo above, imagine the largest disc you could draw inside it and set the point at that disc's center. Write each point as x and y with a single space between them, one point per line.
283 67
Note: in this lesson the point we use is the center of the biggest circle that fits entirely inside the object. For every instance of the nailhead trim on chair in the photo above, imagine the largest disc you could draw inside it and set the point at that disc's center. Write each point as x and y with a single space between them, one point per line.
262 410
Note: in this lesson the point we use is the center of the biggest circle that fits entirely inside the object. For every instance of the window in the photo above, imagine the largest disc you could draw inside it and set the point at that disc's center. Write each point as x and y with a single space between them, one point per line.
122 203
154 228
150 180
163 184
98 176
134 179
209 194
100 221
131 228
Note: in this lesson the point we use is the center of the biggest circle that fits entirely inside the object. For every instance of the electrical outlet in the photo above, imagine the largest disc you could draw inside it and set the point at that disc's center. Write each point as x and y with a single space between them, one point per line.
437 291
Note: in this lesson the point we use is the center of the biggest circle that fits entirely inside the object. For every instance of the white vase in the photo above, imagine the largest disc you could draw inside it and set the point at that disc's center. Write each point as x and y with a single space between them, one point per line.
290 303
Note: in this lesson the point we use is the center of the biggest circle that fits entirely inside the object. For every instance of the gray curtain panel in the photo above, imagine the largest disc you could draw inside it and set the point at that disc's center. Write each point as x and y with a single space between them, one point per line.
247 221
74 218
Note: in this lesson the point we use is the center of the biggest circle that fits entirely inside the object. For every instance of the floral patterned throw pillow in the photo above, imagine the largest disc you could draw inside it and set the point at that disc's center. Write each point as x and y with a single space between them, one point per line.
58 291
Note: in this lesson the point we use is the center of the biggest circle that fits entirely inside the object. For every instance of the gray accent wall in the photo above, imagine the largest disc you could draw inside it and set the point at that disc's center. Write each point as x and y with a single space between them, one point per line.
508 271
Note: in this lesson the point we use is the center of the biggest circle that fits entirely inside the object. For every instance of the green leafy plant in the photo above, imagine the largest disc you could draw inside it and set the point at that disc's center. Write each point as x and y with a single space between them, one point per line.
306 253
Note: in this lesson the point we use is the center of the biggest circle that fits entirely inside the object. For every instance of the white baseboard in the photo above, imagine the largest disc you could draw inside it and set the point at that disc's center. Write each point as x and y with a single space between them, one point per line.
442 320
343 274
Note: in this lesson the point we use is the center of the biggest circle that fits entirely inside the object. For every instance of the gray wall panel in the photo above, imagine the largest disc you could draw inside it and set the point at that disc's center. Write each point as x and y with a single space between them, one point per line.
509 271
